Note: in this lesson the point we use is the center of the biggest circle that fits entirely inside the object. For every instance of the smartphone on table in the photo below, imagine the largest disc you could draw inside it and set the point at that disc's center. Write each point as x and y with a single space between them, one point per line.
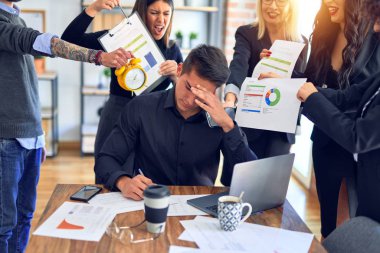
86 193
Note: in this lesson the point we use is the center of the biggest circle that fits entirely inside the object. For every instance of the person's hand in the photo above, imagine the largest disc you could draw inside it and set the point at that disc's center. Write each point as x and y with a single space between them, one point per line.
43 156
115 59
265 53
305 91
100 5
230 100
210 103
169 68
268 75
133 187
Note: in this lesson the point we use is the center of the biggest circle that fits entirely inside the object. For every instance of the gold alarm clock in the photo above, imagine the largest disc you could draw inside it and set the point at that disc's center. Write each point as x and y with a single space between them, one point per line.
131 76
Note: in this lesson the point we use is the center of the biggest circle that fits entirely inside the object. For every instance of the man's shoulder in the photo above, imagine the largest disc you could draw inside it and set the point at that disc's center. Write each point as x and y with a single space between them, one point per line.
150 99
4 17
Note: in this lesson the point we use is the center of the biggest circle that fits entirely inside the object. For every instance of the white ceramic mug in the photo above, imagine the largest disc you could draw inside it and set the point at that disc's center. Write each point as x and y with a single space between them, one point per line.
230 209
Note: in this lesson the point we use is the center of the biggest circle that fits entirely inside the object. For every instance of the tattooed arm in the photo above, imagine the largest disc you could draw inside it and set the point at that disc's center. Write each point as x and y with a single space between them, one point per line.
66 50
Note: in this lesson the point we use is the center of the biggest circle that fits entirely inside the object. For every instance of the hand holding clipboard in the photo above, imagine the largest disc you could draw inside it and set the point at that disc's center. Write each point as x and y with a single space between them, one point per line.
132 35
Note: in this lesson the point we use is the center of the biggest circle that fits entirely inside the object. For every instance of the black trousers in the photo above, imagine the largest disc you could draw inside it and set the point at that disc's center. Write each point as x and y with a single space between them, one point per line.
332 163
269 144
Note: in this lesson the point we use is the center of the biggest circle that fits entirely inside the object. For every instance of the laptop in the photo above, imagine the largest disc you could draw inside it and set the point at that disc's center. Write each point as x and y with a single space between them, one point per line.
264 182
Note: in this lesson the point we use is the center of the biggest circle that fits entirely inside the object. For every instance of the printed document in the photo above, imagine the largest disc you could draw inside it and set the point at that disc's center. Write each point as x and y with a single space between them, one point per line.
208 235
77 221
282 60
132 35
117 201
269 104
178 249
177 204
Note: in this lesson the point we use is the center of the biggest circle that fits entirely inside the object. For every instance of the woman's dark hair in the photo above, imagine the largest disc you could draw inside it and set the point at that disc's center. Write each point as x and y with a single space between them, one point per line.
209 62
141 7
323 40
371 9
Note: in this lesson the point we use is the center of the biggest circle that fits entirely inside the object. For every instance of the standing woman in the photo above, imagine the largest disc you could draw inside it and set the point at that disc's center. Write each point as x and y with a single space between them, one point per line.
157 16
277 20
360 135
344 51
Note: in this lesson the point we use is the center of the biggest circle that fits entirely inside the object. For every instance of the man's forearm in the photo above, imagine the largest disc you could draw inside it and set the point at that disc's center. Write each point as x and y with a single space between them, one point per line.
66 50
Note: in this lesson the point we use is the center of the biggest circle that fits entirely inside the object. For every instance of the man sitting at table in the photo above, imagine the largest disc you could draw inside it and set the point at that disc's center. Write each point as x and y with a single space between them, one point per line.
170 134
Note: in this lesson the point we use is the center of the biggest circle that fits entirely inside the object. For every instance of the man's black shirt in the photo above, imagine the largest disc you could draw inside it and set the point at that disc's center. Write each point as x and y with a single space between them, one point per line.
169 149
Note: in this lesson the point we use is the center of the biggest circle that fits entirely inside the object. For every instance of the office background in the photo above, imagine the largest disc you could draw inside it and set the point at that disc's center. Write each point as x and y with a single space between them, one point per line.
229 15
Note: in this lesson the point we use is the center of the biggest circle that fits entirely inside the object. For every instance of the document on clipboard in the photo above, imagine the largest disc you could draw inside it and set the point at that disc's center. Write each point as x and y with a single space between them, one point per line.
133 35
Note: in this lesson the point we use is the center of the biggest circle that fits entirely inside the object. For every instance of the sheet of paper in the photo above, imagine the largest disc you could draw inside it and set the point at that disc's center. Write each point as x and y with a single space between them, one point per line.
185 236
178 249
132 35
269 104
77 221
208 235
179 207
282 60
117 201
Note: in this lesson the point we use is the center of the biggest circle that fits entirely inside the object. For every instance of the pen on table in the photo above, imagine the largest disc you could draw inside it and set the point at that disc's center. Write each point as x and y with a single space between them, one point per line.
141 173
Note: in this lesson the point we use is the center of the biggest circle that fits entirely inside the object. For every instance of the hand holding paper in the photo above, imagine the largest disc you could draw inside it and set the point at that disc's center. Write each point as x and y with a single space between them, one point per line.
169 68
281 59
305 91
269 104
132 35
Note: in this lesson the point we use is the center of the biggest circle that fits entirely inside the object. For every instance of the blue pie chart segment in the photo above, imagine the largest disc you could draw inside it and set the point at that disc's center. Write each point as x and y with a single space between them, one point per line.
272 97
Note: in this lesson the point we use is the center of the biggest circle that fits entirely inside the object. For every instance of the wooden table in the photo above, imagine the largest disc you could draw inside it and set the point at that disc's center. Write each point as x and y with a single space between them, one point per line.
282 217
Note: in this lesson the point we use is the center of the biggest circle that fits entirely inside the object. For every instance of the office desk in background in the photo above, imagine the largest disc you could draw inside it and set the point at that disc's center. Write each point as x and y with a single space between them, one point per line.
282 217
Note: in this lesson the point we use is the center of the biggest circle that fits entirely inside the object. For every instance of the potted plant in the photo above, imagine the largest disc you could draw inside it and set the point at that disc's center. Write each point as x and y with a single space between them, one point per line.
179 38
106 72
39 64
193 36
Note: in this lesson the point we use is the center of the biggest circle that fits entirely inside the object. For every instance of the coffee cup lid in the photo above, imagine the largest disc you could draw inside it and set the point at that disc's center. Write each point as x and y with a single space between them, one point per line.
156 191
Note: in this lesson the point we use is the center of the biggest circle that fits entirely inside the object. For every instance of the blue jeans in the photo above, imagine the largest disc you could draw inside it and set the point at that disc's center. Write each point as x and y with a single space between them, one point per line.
19 174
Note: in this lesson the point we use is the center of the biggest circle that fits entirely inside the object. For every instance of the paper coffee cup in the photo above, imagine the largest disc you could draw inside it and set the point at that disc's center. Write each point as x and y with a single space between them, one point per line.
156 205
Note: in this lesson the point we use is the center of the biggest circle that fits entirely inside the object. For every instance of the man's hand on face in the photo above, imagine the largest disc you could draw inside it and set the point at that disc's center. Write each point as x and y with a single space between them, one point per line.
133 187
210 103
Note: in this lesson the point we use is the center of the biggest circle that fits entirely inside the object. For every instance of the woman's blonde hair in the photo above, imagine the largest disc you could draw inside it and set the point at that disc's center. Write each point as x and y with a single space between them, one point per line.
291 21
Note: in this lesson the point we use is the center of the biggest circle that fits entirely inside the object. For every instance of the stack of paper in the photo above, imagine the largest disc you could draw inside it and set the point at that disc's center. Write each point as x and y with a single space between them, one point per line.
177 249
177 205
77 221
282 61
208 235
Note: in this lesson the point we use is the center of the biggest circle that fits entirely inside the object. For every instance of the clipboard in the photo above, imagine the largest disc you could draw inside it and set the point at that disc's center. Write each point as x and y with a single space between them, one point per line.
133 35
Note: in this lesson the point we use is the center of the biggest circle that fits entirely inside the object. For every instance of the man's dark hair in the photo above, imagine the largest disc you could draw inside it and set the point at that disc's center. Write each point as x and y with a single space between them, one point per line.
209 63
